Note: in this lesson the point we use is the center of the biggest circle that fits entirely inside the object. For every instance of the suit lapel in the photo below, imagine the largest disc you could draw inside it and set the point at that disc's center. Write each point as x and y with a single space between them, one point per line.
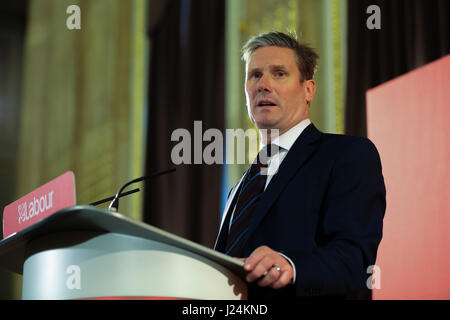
300 152
225 221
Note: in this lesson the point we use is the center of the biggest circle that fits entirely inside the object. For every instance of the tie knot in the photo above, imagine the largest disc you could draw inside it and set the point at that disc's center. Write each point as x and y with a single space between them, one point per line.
267 152
261 162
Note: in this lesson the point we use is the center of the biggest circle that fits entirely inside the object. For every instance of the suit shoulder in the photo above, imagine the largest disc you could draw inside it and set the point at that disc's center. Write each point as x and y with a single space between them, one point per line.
343 141
339 146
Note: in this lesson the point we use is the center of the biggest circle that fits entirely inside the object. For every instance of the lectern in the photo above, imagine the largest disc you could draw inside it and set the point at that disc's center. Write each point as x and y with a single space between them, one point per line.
84 252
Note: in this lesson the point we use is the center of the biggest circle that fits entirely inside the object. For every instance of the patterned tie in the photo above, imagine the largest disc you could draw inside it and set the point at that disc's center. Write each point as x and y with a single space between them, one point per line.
251 191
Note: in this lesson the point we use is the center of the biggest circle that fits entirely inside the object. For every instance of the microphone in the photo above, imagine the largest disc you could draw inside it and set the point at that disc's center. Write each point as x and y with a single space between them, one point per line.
114 205
96 203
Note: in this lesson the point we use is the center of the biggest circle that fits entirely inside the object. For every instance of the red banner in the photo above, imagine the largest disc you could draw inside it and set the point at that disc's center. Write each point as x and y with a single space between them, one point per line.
39 204
409 122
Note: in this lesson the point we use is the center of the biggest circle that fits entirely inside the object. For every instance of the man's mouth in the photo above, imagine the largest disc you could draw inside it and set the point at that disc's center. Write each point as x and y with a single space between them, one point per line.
266 103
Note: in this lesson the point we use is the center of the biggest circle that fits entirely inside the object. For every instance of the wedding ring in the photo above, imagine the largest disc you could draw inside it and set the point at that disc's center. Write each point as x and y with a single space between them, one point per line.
274 267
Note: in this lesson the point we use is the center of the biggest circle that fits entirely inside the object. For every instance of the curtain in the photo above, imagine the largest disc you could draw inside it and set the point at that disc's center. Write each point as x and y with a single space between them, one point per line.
186 84
79 106
413 33
12 33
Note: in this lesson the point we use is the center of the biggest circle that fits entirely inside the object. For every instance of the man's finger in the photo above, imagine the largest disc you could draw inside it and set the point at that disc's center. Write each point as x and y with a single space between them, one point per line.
259 269
271 277
283 280
255 258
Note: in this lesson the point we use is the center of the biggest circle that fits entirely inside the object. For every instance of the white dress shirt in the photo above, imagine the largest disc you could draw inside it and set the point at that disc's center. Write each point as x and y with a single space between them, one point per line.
284 143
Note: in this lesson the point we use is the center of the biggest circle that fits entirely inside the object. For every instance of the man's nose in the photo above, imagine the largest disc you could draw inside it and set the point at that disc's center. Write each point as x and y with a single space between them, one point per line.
264 84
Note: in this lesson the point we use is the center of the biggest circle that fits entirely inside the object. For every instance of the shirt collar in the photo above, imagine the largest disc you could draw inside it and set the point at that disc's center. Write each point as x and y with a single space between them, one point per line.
287 139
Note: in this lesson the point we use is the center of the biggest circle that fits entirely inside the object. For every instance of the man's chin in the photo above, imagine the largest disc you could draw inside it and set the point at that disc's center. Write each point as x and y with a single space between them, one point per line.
266 123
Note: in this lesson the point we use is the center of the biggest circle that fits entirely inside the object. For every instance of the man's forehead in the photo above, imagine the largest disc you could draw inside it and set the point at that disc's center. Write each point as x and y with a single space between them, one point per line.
271 57
269 66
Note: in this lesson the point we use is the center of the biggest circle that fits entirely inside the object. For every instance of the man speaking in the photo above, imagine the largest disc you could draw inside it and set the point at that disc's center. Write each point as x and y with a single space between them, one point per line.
313 228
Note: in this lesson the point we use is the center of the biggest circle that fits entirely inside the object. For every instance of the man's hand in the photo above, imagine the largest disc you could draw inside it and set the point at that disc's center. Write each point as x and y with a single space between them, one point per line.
263 262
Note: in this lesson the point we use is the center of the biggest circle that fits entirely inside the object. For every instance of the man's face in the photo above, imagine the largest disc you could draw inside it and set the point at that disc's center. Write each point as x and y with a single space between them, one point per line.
276 99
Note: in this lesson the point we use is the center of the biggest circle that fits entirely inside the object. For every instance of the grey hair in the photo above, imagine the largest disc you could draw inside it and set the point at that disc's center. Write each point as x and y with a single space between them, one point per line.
306 58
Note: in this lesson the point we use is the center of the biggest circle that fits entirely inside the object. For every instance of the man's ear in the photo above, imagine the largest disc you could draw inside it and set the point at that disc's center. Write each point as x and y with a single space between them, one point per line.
310 90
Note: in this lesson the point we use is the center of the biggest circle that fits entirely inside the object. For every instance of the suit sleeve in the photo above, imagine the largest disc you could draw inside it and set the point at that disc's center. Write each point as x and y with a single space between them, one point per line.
350 228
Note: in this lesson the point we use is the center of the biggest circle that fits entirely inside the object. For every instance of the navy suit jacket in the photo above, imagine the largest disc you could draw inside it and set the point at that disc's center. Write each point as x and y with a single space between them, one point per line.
323 209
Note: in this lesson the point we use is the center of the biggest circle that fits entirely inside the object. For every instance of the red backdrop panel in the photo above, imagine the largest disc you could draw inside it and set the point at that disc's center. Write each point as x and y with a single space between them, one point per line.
409 122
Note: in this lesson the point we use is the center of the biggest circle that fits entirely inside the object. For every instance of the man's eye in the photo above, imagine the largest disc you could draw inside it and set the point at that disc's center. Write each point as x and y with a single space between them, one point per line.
280 74
256 76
